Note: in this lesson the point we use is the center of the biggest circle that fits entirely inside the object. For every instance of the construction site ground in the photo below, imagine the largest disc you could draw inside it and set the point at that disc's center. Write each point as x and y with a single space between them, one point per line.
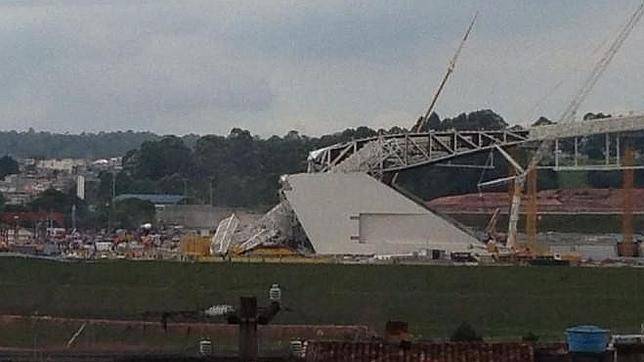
500 302
584 200
565 210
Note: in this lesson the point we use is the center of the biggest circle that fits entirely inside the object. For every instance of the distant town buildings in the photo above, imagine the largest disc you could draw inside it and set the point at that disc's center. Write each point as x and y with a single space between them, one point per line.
69 165
36 176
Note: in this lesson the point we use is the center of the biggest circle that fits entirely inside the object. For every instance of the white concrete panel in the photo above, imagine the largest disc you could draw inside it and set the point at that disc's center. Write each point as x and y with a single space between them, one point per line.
330 205
392 231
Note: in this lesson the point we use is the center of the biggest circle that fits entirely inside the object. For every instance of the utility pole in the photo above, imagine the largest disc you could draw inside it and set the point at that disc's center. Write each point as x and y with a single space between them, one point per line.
111 211
74 216
248 329
113 186
249 317
212 196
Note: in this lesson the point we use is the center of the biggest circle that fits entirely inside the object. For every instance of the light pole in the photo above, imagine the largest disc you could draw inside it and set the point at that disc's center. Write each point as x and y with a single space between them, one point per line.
113 185
111 210
212 196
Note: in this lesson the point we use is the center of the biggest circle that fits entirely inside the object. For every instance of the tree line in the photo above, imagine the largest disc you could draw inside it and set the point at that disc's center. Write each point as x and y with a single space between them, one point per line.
242 169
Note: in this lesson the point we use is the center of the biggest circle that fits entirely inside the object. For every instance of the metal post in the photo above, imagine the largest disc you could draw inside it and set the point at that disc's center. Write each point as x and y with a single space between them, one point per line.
617 151
212 198
248 329
113 186
73 217
111 211
607 149
406 156
380 149
576 152
556 153
454 141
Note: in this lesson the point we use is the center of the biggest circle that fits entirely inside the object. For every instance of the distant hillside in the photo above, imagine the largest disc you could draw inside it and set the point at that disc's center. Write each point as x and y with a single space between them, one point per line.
84 145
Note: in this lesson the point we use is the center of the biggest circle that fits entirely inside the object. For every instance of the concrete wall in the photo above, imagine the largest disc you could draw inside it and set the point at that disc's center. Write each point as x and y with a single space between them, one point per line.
201 216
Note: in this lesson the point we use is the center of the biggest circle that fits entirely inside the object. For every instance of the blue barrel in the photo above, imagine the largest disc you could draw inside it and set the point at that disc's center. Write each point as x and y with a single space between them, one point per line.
587 339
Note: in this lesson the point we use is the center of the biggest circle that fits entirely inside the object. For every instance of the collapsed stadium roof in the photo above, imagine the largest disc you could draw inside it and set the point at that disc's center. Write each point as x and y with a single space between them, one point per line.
353 213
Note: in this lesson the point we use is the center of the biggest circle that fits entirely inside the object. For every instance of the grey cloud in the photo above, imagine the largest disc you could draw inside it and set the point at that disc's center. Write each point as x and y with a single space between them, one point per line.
120 68
207 66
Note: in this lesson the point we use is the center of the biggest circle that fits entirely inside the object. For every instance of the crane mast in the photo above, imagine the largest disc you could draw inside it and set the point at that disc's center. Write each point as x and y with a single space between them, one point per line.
567 116
450 69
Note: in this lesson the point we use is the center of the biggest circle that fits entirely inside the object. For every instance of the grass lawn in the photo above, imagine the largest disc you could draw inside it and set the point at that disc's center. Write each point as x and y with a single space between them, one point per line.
499 302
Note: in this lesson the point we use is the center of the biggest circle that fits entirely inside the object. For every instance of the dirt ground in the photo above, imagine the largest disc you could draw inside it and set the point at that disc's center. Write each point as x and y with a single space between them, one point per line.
553 201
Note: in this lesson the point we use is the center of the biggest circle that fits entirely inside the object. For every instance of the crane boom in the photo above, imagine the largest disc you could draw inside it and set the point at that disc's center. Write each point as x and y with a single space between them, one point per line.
450 69
567 116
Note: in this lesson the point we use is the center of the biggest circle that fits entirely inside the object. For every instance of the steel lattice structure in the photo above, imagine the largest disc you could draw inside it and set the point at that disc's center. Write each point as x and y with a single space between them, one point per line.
397 152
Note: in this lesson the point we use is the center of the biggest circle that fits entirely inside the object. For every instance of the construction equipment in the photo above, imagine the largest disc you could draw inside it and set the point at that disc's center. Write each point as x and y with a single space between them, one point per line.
627 195
493 238
567 116
628 247
220 242
422 122
490 229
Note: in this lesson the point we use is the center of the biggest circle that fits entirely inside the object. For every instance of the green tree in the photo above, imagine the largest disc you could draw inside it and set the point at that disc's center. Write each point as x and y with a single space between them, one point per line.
8 166
132 213
485 119
156 159
465 333
542 121
52 200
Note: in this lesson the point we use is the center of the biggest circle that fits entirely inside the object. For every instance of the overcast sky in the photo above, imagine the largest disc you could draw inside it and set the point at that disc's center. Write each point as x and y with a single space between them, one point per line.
314 66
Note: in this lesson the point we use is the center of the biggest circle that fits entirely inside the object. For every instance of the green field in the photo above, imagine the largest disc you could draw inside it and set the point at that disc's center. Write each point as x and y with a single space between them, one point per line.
500 302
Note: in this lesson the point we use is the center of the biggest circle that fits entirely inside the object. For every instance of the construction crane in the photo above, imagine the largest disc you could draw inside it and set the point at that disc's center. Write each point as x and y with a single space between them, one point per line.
422 122
567 116
490 231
